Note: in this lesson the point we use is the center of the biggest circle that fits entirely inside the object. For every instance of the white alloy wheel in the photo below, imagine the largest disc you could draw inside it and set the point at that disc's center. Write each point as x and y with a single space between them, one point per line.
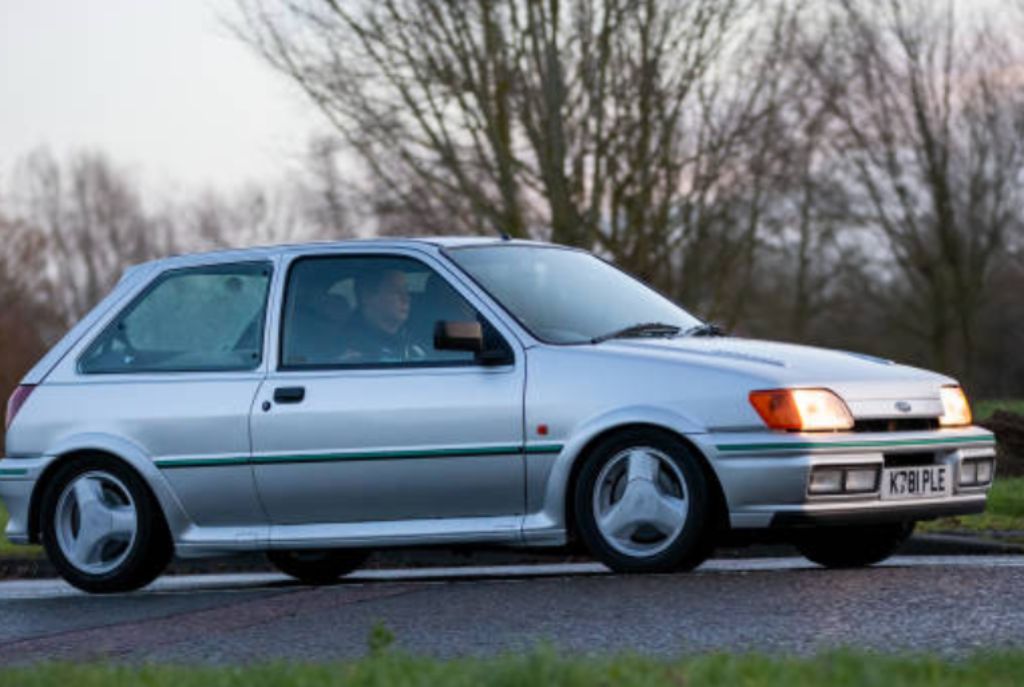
640 502
96 522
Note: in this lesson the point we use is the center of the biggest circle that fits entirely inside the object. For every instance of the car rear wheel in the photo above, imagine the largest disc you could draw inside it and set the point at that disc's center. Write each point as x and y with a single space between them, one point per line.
101 528
641 503
320 566
855 546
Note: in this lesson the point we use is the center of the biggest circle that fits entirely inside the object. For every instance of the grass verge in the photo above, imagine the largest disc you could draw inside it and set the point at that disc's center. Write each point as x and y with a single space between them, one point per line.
9 550
1005 512
986 409
545 667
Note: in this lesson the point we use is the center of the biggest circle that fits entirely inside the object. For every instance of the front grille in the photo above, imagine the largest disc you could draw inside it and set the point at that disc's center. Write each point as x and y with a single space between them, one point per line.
908 460
897 424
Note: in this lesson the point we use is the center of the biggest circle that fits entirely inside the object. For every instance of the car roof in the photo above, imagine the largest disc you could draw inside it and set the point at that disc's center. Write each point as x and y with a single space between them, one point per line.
264 252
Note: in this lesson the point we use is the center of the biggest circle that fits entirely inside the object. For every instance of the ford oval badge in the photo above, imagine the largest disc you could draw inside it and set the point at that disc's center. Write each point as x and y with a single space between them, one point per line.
903 406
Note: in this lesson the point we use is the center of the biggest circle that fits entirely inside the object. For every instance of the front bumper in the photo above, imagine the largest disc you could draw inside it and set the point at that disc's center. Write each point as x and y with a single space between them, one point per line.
18 478
764 476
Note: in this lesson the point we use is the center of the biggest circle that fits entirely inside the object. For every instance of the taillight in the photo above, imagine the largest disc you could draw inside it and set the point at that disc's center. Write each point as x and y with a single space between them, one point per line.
15 402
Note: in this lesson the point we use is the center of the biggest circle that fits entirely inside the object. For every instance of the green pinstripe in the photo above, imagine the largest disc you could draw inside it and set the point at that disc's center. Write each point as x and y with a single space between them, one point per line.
455 452
13 472
812 445
201 462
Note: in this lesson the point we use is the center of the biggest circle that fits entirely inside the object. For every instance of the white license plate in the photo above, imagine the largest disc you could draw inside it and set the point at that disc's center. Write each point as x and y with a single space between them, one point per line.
927 482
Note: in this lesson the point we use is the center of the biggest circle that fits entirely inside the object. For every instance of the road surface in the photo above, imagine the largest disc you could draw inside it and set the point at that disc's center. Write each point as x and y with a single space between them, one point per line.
952 605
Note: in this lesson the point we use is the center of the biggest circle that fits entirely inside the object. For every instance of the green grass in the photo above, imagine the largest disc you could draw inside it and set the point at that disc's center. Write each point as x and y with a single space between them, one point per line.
986 409
9 550
1007 497
545 667
1005 511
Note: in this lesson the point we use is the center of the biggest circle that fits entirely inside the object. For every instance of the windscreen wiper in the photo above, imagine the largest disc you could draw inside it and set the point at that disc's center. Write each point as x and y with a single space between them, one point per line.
705 329
638 330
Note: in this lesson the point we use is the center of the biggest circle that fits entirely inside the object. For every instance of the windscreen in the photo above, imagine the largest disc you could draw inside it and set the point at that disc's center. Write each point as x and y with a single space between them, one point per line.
566 296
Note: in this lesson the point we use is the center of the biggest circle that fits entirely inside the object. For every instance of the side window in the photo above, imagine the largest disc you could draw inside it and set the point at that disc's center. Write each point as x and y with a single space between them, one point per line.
190 320
358 311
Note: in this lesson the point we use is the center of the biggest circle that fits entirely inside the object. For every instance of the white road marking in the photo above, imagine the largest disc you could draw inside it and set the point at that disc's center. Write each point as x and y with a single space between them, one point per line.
247 582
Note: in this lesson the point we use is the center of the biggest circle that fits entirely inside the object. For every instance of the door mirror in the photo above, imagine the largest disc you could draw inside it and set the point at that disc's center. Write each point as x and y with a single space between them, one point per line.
459 336
469 336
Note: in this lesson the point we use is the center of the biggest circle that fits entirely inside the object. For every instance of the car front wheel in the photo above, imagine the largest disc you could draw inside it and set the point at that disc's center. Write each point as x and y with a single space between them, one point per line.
324 566
641 503
101 528
854 546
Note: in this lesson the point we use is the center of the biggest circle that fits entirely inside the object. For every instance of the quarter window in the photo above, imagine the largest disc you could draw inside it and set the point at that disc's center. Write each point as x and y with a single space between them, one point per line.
191 320
370 311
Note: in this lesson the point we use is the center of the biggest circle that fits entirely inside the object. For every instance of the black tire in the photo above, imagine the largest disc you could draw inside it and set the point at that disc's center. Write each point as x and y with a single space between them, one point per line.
317 566
690 547
146 557
853 546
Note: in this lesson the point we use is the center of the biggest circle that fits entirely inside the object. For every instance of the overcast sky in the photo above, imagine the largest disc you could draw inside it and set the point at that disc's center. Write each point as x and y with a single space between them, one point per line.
161 85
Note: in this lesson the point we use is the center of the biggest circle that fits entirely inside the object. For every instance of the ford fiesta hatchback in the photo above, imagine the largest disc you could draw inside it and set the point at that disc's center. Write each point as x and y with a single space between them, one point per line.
317 402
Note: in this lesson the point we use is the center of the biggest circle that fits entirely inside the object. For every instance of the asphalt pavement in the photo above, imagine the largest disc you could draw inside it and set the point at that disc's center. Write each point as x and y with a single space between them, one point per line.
952 605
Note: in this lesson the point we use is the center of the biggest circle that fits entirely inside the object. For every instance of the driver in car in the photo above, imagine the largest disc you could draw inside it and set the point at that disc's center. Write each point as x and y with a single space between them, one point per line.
377 331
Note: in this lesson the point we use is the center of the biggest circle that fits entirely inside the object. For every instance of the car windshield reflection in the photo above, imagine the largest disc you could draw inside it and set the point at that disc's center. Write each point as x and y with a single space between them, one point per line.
565 296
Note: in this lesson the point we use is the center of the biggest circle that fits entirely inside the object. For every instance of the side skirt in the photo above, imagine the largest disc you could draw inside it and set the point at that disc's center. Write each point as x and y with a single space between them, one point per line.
504 530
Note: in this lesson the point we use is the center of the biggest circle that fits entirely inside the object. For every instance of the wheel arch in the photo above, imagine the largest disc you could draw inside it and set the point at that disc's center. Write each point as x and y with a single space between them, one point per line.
126 453
717 494
552 515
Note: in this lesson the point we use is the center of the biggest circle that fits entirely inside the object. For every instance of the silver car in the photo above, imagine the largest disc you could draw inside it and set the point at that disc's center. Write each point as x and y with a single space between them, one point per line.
320 401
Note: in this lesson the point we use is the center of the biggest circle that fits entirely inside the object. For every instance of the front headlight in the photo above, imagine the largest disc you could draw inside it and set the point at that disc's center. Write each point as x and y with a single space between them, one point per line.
802 410
956 411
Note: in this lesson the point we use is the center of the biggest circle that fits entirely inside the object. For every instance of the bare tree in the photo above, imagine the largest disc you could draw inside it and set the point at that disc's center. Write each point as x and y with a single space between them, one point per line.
251 216
323 193
644 129
931 145
25 320
91 222
313 201
87 221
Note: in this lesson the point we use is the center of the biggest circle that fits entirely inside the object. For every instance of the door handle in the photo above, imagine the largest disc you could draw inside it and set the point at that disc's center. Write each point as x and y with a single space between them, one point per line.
289 394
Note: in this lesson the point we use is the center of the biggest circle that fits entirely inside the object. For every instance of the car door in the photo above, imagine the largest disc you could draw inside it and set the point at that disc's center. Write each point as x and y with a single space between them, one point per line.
175 373
358 424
